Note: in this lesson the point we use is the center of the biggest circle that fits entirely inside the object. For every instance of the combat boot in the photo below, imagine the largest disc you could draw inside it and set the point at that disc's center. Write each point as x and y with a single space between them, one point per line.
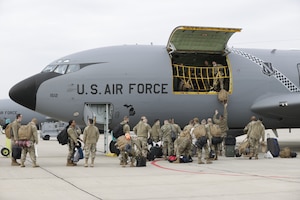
14 162
216 157
208 161
35 165
86 163
22 164
200 161
92 162
69 163
250 156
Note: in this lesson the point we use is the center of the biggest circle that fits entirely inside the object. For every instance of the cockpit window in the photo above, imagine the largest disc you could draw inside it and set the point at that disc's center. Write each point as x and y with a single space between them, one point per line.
61 69
49 68
72 68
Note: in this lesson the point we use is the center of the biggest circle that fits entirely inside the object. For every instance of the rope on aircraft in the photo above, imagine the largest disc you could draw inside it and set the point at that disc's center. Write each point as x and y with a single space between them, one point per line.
269 70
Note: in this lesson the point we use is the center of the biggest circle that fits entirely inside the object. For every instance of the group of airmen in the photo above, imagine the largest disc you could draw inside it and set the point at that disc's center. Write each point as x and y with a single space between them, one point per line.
199 138
196 137
90 138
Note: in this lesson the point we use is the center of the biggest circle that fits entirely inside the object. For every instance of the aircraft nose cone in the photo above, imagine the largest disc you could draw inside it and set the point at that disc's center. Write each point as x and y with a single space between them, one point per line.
24 92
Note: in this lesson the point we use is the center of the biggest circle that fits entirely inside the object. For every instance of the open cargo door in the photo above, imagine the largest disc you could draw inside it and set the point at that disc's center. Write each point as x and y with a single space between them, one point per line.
192 51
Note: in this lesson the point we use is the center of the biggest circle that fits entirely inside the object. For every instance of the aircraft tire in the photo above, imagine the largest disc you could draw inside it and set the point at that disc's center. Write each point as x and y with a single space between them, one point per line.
46 137
113 148
5 151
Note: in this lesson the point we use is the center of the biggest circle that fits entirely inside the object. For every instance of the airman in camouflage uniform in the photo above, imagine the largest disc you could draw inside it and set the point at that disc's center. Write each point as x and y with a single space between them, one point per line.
168 145
90 138
156 131
143 131
31 148
200 133
255 131
222 122
73 135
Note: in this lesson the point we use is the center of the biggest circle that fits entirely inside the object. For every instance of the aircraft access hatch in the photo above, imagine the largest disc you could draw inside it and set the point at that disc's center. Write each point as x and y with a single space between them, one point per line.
199 59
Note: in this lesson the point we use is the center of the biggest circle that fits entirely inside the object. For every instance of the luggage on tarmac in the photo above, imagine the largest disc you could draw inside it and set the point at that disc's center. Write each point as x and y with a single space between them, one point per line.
230 150
230 140
273 146
155 152
172 158
141 161
16 152
185 159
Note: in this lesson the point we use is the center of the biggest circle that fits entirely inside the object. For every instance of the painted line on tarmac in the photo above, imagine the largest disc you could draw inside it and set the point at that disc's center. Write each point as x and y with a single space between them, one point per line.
227 173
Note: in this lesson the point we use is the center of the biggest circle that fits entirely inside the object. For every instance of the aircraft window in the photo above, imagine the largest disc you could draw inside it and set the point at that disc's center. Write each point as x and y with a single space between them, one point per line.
49 68
200 78
61 69
72 68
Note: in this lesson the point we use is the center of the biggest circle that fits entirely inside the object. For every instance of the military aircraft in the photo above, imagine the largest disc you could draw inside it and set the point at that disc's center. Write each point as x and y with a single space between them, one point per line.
172 81
9 109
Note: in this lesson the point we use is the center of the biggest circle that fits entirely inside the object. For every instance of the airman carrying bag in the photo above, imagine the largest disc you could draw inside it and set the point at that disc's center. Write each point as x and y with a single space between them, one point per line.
24 132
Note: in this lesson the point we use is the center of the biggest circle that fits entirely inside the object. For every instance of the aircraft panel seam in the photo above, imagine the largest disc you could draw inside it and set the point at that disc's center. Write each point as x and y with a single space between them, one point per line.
276 73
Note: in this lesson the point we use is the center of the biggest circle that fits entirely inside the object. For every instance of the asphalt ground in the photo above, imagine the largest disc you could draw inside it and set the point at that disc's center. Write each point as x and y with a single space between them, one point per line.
227 178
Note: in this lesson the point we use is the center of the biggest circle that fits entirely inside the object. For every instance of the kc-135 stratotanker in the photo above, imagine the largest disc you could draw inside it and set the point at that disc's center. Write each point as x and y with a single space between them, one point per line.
174 81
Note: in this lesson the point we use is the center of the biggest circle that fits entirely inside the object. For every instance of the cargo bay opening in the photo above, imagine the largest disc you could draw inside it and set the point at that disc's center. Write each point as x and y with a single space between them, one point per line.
199 59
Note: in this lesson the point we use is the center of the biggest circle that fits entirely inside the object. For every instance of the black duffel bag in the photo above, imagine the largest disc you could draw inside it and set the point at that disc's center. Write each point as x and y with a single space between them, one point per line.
201 141
216 140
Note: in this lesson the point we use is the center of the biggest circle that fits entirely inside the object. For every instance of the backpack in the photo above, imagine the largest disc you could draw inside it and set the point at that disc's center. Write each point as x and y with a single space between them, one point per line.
62 137
201 141
24 132
8 131
215 130
118 131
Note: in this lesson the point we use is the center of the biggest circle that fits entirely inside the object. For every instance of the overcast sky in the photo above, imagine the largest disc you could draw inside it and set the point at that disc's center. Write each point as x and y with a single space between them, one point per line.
34 33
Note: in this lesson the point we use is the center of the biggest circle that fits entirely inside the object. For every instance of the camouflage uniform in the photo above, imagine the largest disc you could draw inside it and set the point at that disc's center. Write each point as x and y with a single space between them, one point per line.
156 132
214 132
168 145
222 122
125 152
143 131
31 149
90 138
72 141
126 129
200 131
182 145
188 128
256 130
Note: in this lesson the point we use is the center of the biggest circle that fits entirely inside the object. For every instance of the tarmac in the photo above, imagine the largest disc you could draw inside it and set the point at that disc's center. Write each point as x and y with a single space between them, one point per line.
228 178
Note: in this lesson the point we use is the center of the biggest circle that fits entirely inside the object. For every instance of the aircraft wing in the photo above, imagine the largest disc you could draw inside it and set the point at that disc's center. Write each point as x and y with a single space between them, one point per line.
278 106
